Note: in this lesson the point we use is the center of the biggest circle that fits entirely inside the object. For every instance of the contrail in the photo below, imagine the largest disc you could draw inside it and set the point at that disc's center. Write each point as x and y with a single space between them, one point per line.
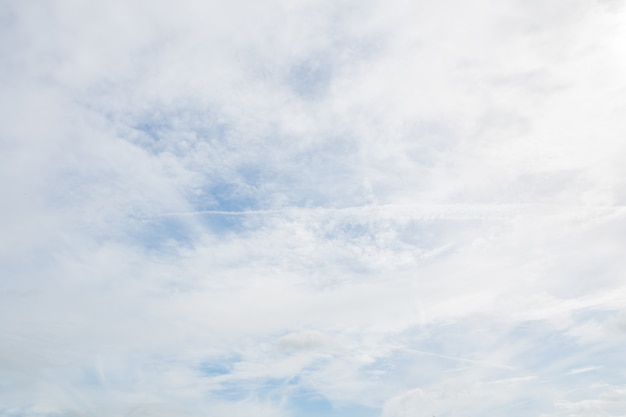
583 370
221 213
423 211
456 358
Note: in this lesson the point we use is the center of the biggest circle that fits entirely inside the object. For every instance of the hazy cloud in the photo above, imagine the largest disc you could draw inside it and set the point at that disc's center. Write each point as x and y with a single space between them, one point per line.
312 208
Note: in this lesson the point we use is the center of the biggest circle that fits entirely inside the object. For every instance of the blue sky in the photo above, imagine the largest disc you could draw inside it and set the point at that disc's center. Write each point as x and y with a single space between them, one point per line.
312 208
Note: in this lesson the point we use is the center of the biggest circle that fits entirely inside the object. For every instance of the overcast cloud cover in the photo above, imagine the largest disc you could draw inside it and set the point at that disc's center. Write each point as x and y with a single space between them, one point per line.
372 208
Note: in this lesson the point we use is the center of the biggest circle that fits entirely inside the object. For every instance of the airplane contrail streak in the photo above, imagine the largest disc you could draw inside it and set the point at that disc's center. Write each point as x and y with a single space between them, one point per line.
456 358
424 211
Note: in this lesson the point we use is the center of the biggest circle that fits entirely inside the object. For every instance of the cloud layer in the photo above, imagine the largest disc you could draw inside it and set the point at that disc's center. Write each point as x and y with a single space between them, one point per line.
308 208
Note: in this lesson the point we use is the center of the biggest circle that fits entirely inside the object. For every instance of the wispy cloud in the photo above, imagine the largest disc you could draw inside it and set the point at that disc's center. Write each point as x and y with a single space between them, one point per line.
583 370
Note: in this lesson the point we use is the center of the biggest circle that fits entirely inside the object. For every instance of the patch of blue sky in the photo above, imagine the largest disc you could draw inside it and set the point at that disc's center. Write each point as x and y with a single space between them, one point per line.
522 407
235 389
89 377
217 366
299 402
314 177
176 130
311 78
267 389
161 233
307 404
319 174
228 196
351 231
228 206
233 392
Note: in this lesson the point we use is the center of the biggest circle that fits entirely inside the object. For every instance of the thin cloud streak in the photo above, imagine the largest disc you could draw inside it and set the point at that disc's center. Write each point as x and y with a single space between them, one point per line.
473 361
429 211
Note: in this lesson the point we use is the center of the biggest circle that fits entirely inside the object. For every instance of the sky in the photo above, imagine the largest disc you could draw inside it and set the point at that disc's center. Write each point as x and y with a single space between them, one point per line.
301 208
